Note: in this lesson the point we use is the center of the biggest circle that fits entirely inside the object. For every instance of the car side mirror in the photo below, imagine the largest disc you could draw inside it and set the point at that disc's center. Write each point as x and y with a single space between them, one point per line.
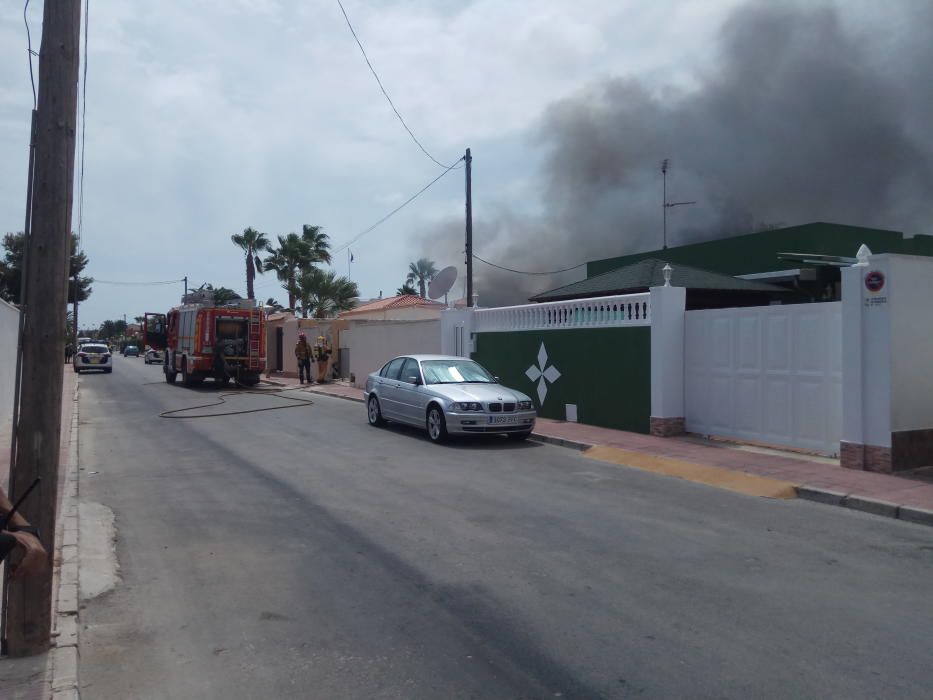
413 380
498 381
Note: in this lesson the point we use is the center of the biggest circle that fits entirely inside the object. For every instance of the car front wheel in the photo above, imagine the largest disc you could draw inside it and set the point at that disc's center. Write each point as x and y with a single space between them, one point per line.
437 426
374 412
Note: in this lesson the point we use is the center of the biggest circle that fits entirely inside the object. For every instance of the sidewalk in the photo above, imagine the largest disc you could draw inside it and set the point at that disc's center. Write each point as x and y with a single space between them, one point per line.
53 674
814 478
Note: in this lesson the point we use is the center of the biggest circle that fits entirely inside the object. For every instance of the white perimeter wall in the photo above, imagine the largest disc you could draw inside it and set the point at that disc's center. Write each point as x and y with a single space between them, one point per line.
374 343
911 307
9 331
769 374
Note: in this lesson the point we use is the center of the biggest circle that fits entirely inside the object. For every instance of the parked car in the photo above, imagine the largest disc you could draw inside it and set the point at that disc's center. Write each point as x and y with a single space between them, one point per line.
131 351
153 357
93 356
446 395
84 340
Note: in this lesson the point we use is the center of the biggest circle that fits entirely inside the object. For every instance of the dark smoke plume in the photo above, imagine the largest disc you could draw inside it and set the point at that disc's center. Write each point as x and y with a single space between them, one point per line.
802 120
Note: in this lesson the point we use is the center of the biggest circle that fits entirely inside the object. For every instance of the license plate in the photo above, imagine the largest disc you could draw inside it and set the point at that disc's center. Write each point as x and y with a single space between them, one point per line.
95 360
499 420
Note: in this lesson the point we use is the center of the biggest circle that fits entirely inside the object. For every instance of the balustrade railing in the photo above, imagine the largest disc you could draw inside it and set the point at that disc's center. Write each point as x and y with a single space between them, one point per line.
598 312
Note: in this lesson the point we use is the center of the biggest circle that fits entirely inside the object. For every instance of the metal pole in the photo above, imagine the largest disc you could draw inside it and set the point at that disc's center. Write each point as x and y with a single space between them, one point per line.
469 227
664 203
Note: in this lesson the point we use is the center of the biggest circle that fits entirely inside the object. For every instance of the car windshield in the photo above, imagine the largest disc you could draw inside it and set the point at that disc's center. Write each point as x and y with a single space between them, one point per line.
94 349
455 372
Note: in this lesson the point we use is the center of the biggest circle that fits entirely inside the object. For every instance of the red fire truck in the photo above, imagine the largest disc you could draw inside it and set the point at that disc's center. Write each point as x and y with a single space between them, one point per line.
201 341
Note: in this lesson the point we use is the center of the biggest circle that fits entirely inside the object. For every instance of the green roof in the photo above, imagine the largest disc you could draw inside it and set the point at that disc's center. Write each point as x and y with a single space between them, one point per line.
650 273
758 252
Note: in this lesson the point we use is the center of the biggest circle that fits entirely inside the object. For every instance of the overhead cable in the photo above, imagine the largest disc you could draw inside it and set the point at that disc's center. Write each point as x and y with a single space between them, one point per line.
525 272
384 92
137 284
29 54
393 212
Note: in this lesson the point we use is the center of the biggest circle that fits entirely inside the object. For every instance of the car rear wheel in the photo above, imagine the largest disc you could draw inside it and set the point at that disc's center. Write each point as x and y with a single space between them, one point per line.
374 412
437 426
108 371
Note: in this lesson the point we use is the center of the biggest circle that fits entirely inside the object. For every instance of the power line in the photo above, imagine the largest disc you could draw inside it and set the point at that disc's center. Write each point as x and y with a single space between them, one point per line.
524 272
87 12
29 54
385 218
384 92
137 284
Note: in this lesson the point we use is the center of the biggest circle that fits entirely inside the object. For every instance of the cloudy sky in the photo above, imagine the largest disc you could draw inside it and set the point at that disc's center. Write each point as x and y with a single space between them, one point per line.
206 117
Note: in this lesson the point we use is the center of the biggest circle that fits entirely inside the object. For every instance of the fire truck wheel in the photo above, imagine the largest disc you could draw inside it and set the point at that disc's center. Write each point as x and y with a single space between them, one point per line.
170 374
186 378
249 379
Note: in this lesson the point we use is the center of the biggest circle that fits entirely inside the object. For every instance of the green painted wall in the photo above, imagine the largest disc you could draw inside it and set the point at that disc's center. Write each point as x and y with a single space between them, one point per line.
606 372
757 252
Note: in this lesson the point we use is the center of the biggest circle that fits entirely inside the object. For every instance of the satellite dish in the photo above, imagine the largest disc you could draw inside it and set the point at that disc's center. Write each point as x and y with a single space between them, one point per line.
442 282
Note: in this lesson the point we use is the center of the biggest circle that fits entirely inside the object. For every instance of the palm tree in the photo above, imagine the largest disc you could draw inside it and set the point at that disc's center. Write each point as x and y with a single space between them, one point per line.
318 243
406 289
324 293
421 271
273 304
252 242
289 260
296 255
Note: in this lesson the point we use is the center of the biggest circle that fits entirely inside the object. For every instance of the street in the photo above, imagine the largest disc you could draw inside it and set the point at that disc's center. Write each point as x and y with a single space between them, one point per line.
300 553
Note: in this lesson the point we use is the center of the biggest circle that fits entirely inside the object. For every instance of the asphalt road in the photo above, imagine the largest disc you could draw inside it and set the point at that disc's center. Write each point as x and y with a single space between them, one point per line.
300 553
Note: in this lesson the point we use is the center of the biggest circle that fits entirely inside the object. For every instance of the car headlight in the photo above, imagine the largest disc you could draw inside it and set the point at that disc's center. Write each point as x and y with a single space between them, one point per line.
468 406
525 405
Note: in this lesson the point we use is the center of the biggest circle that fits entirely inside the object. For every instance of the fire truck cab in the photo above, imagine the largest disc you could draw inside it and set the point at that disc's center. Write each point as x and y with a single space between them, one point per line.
202 341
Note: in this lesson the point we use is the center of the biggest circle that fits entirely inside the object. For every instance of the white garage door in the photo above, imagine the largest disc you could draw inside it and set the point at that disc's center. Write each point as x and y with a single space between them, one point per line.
767 374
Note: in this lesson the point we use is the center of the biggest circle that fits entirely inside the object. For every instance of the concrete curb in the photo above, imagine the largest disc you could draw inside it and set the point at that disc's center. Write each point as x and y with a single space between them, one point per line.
872 506
560 442
885 509
63 657
321 392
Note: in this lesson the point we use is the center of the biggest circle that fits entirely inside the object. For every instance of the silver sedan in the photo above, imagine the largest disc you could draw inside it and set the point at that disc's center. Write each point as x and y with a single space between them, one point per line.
446 395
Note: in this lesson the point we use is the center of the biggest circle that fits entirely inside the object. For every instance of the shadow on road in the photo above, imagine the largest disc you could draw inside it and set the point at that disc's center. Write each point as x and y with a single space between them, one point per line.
462 442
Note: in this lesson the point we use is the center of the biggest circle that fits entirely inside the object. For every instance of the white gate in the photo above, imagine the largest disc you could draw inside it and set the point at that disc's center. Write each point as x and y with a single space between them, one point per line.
766 374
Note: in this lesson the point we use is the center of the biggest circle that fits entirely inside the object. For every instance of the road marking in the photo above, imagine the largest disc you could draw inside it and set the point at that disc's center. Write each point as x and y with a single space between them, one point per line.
749 484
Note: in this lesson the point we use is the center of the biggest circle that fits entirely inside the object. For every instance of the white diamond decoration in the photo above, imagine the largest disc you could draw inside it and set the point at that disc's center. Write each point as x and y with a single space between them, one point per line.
542 374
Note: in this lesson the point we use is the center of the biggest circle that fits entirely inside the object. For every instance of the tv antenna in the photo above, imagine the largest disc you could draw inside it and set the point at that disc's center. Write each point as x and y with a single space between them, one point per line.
665 166
442 283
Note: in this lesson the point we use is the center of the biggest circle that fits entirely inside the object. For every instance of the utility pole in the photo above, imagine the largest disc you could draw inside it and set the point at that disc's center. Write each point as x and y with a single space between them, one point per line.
186 289
469 227
665 165
38 430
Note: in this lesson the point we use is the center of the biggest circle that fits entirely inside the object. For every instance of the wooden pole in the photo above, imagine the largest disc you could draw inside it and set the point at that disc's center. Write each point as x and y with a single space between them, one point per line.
29 610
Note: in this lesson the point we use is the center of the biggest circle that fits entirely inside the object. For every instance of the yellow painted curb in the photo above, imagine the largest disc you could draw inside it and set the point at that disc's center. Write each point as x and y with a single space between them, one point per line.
741 482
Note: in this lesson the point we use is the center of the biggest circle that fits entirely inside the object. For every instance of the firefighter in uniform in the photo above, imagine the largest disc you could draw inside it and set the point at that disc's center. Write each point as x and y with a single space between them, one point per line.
303 355
322 355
